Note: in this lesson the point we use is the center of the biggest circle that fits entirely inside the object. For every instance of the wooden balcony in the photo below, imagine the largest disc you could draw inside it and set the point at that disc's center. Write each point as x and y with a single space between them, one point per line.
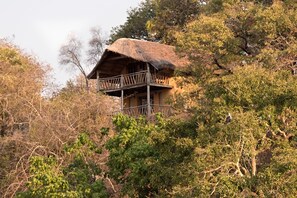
132 80
165 110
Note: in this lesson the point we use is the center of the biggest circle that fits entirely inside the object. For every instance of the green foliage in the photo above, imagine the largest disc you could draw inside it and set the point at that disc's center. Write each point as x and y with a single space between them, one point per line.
249 155
135 26
47 180
252 153
34 125
149 159
156 20
228 34
240 142
80 176
171 16
208 35
76 179
279 179
83 145
82 171
253 88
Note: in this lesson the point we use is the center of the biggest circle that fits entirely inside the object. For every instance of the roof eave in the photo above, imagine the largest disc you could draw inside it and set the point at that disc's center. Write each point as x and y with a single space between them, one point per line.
92 74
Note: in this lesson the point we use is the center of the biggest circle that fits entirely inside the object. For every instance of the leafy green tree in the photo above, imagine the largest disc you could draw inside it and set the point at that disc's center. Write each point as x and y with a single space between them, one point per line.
156 20
171 16
240 33
47 180
242 138
136 24
246 114
149 159
233 154
77 179
240 142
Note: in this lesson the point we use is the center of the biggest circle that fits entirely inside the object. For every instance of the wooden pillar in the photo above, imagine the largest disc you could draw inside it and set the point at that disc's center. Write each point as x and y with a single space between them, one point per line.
148 80
122 93
98 81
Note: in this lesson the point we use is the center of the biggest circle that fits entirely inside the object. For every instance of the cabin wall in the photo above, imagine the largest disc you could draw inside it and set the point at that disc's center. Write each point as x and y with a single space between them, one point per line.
160 97
139 66
168 94
124 70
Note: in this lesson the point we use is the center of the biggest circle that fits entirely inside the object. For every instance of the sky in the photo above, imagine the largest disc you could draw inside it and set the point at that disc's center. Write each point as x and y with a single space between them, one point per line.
40 27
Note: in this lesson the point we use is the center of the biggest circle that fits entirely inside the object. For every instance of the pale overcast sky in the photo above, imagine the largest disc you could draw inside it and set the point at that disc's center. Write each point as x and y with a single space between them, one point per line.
40 27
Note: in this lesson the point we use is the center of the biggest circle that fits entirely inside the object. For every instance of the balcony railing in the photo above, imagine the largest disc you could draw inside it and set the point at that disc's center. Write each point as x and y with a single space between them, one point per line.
130 80
166 110
159 79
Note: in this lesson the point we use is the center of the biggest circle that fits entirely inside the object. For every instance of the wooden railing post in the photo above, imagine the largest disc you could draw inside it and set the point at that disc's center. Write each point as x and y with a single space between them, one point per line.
131 80
148 80
98 81
122 92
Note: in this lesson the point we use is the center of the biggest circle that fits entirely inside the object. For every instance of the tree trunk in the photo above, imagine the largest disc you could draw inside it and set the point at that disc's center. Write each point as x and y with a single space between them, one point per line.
87 84
254 163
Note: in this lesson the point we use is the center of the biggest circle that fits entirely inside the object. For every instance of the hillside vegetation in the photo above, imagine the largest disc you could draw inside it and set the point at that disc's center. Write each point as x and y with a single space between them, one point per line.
49 147
239 137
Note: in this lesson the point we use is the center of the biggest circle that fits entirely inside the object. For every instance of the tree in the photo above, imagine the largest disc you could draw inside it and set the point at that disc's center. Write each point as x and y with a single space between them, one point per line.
240 33
246 155
77 179
241 139
156 20
22 78
171 16
33 126
71 53
135 26
233 157
96 46
72 118
150 159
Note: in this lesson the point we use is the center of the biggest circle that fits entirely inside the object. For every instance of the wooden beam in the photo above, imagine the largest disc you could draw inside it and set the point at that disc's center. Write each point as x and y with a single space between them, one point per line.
148 80
122 100
116 58
98 80
122 93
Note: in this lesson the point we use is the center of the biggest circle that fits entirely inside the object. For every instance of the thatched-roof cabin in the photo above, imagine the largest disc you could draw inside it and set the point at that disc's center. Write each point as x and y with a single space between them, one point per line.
139 72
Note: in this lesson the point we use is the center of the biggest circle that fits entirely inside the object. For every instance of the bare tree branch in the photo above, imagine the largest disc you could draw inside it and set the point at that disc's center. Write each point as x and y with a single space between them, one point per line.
70 54
96 45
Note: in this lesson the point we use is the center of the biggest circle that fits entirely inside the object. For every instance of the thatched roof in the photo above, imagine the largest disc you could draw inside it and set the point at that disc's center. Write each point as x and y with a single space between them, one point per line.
158 55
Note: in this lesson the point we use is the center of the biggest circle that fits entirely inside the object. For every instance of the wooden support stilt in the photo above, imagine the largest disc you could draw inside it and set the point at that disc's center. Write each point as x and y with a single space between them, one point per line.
122 93
148 80
98 81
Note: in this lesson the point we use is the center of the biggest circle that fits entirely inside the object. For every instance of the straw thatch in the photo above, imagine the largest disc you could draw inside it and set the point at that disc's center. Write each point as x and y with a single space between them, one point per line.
158 55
